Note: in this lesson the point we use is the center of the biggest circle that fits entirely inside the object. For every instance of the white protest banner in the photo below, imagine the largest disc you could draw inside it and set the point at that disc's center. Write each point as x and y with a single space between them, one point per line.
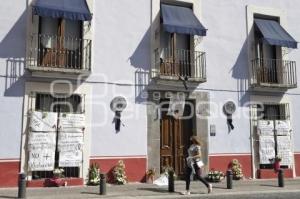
72 122
43 121
41 141
70 141
70 158
266 149
41 160
284 150
265 127
282 127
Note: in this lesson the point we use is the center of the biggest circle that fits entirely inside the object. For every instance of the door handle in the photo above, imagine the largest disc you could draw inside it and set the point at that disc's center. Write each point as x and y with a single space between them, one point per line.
166 146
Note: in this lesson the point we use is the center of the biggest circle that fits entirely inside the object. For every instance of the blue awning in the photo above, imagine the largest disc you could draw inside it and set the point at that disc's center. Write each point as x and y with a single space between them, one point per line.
181 20
274 34
68 9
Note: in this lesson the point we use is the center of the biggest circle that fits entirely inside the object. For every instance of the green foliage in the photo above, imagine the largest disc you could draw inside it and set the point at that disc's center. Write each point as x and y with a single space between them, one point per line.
215 176
119 173
167 169
236 168
94 173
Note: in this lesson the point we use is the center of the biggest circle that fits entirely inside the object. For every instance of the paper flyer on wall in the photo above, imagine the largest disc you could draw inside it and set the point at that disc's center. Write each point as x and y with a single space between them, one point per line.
265 127
70 141
282 127
43 121
72 122
266 149
284 150
41 141
70 158
41 160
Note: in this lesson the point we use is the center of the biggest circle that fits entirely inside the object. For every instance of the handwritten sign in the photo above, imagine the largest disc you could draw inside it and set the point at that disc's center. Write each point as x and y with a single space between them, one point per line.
70 141
70 158
41 160
265 127
282 127
41 141
69 122
266 149
284 150
43 121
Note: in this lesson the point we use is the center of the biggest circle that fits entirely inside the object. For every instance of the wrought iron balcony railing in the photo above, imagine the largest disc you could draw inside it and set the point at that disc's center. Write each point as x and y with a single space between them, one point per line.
273 73
172 64
51 52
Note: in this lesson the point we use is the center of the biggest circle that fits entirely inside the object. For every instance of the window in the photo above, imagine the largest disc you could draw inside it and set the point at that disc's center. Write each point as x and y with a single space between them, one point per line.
61 104
176 56
60 43
269 56
269 69
274 114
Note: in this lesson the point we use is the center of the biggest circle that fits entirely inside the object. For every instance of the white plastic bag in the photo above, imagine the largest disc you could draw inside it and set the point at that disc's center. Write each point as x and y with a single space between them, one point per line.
200 163
162 180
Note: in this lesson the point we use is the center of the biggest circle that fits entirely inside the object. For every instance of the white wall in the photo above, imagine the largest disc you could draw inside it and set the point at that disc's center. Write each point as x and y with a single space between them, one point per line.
121 47
132 138
12 53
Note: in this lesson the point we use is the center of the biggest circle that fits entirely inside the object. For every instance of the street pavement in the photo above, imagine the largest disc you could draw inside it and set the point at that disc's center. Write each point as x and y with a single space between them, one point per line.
248 189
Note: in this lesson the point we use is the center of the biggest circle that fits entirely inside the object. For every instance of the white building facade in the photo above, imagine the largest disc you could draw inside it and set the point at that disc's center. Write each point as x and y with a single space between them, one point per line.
130 80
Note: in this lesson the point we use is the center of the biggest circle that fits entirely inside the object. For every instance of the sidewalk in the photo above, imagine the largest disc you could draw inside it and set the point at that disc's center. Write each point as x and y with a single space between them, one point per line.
140 190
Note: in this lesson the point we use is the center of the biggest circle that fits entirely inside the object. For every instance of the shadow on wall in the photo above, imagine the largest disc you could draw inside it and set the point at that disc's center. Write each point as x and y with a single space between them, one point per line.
141 60
13 50
240 72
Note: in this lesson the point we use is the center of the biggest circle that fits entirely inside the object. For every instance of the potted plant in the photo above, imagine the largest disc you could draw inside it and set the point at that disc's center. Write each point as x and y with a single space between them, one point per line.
276 163
236 168
94 173
166 170
150 175
57 179
119 173
215 176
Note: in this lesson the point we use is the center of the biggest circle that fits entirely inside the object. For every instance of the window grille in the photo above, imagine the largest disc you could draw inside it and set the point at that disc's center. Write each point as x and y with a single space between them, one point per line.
273 112
59 104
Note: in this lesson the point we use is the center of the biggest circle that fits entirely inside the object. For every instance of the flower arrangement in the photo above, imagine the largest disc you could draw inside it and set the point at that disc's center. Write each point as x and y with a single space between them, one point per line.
150 173
94 173
276 163
236 168
166 170
278 158
215 176
58 173
57 179
119 173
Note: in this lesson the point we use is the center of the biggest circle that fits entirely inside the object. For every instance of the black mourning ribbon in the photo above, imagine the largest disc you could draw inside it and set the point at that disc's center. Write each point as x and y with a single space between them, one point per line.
229 121
184 79
117 121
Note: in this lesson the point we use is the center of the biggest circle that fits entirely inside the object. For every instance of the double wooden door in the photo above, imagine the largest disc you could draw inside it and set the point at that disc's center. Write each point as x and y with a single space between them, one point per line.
174 141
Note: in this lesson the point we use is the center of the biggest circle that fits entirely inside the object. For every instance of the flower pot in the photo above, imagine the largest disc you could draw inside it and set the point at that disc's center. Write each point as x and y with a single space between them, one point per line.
276 166
57 182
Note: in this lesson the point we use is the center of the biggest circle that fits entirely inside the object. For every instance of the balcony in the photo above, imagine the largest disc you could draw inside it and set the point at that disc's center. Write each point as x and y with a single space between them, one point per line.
48 53
273 73
180 63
